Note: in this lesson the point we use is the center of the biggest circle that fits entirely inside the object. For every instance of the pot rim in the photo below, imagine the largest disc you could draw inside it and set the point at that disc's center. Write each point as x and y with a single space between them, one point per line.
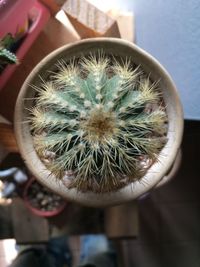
155 172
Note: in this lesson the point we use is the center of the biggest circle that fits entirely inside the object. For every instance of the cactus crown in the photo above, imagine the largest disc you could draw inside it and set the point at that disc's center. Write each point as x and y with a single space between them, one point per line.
98 120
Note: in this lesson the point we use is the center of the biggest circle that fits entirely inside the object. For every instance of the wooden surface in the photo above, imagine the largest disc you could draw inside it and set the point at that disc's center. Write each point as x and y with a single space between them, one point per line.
125 21
7 138
18 222
6 230
89 21
53 5
122 221
27 227
77 220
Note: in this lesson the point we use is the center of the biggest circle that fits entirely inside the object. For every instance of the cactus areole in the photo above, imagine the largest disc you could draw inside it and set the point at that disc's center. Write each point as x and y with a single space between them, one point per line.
98 117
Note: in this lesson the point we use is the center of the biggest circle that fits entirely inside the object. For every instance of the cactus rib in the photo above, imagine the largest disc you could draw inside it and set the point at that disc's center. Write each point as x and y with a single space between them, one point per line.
99 116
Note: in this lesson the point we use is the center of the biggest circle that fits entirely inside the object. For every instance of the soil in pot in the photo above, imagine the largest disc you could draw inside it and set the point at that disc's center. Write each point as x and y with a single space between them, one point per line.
42 201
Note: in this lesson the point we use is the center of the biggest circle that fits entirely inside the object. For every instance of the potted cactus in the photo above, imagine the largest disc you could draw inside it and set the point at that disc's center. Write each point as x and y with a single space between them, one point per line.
99 121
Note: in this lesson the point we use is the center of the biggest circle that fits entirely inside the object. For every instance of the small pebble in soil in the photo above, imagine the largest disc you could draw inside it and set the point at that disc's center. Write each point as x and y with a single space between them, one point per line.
39 196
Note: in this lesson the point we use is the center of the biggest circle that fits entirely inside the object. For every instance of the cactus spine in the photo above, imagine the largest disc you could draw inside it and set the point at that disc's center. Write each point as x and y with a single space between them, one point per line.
97 118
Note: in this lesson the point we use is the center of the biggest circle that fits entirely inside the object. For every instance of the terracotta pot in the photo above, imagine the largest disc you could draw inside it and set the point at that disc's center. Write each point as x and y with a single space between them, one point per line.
158 170
36 211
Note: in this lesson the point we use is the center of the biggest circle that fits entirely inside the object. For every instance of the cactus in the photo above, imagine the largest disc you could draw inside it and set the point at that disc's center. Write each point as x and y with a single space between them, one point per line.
7 57
98 120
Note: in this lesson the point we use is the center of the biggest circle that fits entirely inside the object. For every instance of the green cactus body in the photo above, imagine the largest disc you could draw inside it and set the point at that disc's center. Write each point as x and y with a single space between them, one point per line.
7 57
97 119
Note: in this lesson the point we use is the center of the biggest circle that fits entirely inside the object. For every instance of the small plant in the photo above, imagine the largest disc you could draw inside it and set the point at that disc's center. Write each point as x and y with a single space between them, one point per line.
6 55
100 121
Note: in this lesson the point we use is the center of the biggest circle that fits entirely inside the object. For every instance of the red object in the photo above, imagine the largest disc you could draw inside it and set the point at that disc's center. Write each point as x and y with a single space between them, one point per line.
36 211
13 15
13 19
